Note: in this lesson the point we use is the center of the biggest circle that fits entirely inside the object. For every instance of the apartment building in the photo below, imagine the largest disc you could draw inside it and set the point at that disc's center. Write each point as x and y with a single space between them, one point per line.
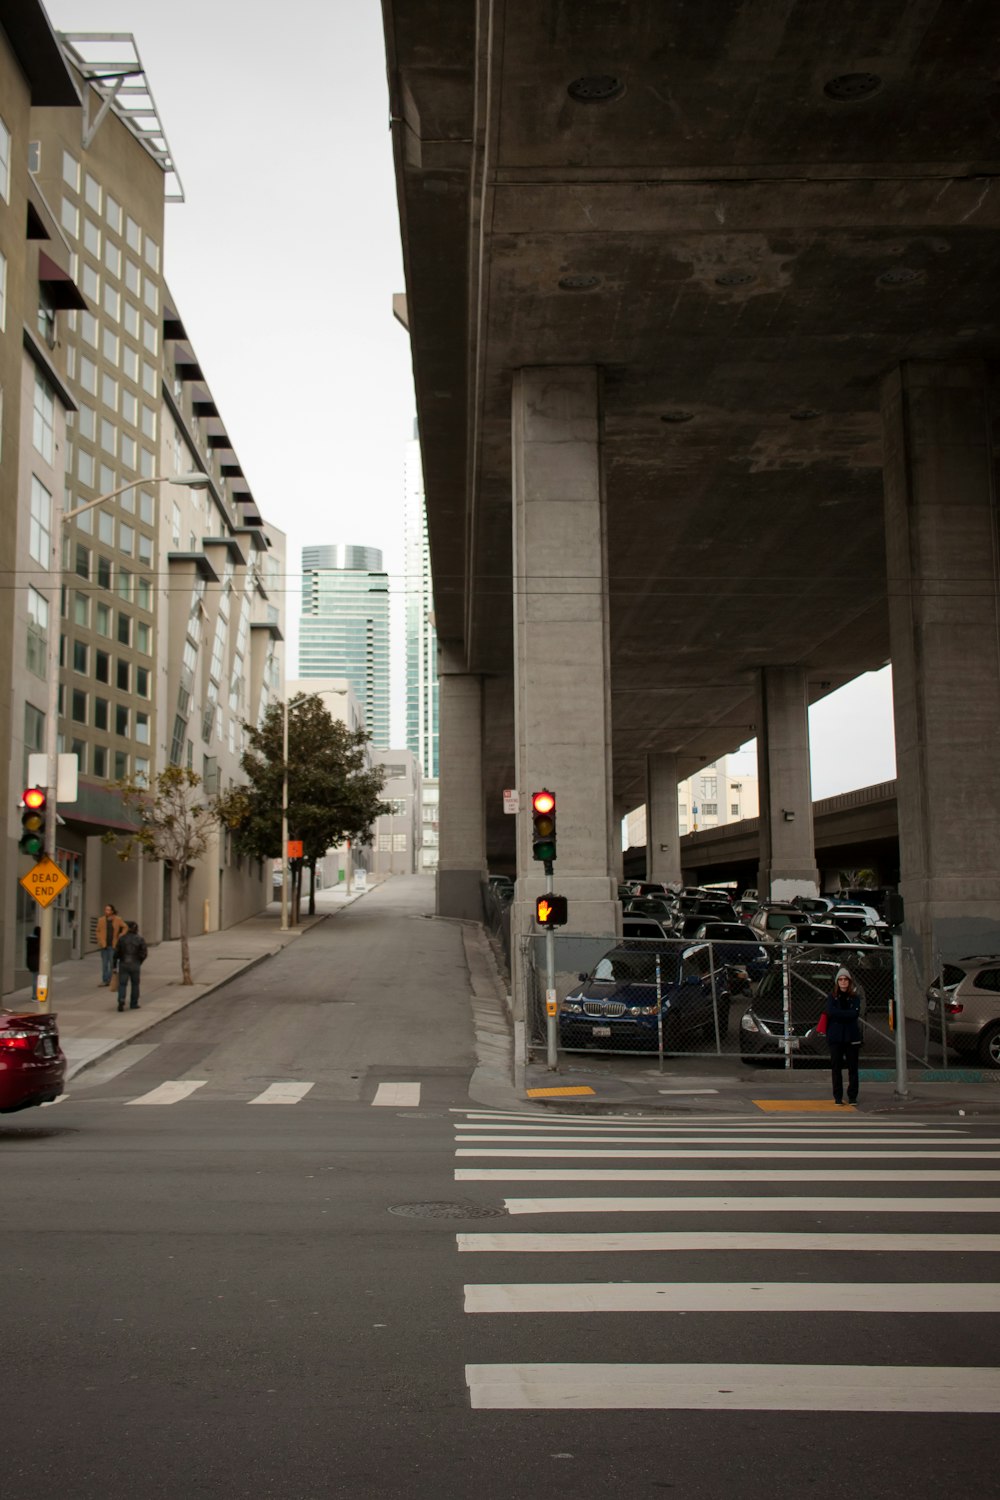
716 794
397 835
344 629
169 612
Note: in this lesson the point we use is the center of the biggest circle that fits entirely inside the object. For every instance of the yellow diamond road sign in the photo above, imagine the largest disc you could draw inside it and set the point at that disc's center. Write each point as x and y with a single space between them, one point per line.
45 881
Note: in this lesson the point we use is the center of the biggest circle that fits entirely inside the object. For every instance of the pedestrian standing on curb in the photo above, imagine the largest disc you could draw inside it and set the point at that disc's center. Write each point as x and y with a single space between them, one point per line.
843 1035
110 928
131 955
32 958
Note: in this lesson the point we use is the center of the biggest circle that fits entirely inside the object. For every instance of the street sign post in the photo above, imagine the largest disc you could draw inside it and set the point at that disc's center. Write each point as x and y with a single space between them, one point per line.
294 848
511 800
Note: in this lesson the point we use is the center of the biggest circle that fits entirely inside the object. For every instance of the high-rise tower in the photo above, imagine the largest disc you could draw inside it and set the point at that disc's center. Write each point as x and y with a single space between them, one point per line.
345 626
421 637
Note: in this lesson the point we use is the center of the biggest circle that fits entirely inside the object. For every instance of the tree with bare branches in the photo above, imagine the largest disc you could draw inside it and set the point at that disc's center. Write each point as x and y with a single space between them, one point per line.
174 824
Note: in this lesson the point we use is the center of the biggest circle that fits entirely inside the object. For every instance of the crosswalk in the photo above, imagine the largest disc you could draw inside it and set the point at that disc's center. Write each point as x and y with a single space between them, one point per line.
282 1091
889 1223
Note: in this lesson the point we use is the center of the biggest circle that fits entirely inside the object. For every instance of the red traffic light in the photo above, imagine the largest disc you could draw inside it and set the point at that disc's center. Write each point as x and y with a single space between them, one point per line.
543 825
542 802
34 797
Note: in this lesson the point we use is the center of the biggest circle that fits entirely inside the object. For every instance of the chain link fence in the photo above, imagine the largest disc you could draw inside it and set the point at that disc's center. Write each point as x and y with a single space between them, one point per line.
750 1000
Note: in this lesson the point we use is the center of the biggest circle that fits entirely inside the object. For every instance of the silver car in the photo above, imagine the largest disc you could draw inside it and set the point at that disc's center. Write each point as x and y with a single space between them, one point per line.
967 995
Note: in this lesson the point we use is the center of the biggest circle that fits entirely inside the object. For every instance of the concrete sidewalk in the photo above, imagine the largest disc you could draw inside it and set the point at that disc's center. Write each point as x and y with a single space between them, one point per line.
90 1025
706 1085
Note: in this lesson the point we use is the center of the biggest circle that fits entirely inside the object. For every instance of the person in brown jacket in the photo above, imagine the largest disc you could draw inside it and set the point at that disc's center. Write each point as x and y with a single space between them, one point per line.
110 928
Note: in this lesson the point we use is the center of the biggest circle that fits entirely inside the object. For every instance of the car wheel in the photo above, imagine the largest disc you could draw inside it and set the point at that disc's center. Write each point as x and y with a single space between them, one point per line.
989 1047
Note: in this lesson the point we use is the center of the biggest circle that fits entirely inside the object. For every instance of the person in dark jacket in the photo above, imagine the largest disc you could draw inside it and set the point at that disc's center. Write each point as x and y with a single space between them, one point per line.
843 1035
130 955
33 948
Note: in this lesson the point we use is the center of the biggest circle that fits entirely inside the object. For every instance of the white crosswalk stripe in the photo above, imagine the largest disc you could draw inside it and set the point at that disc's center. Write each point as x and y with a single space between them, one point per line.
397 1095
283 1093
171 1092
873 1169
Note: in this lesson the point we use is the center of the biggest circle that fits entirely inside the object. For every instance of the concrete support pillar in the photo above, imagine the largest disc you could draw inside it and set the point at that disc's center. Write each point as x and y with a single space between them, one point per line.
561 652
462 833
787 849
944 621
663 838
619 807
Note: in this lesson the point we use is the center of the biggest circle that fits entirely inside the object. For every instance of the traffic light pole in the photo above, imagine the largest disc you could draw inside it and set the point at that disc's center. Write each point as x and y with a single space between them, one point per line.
47 919
551 1019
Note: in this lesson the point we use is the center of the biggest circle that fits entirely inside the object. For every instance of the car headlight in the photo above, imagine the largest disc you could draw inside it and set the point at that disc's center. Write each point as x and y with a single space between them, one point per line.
747 1023
571 1007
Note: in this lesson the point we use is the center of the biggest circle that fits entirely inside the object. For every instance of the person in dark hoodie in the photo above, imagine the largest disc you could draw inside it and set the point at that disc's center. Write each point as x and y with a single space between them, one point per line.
130 955
843 1035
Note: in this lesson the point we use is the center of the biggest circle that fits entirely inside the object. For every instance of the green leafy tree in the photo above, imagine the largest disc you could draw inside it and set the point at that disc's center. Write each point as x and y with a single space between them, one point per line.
333 795
173 823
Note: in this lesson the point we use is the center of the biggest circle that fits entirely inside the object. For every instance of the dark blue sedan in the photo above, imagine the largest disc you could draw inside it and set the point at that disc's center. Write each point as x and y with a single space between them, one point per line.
614 1008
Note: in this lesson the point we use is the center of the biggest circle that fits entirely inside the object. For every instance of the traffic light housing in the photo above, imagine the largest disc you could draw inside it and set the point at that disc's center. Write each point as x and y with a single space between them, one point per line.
551 910
543 825
32 840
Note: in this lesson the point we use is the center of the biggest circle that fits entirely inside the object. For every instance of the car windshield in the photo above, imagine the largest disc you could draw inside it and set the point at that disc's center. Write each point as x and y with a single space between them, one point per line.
718 932
630 967
777 920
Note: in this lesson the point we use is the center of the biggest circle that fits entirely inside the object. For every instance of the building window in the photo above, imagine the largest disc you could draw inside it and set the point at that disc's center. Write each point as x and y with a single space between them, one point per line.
112 302
145 551
177 740
141 773
124 628
133 234
121 720
142 637
152 254
106 528
150 384
109 436
112 258
121 765
70 218
71 171
92 192
113 213
126 538
110 346
130 407
385 843
102 619
88 375
710 809
4 162
91 238
100 761
81 657
125 584
38 632
123 675
102 666
43 416
142 728
85 469
100 713
130 362
734 809
109 391
129 453
39 530
79 749
142 681
399 843
709 786
79 706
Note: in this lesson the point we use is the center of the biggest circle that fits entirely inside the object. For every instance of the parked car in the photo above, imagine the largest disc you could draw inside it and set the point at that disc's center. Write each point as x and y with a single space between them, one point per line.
824 933
877 935
762 1026
746 959
967 992
646 888
614 1008
851 922
767 921
812 903
32 1064
649 906
642 927
855 909
745 908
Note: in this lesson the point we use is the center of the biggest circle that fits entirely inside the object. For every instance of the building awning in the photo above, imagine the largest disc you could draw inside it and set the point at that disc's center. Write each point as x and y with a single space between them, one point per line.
231 545
198 560
62 290
268 625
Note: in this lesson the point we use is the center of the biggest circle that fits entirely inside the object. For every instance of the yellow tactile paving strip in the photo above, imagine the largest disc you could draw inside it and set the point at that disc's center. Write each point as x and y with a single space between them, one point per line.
582 1088
802 1106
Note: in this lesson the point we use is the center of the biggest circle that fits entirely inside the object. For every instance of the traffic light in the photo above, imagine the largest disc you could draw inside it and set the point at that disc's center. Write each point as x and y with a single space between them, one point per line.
543 826
32 840
551 911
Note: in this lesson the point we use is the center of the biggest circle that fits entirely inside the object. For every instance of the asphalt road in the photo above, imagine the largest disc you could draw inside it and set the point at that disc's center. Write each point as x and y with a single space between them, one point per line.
213 1298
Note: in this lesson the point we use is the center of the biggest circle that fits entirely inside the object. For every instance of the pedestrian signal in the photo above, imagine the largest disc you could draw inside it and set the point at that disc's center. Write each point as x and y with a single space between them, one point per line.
551 911
32 840
543 826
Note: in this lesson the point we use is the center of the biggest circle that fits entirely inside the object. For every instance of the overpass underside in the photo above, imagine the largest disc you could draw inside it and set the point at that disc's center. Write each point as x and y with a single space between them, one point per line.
703 304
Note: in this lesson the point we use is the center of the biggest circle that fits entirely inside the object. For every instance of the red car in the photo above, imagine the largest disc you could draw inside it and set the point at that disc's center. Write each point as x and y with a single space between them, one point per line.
32 1063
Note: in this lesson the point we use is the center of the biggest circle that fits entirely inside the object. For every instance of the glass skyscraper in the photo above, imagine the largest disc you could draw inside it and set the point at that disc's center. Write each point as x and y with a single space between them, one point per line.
421 637
344 630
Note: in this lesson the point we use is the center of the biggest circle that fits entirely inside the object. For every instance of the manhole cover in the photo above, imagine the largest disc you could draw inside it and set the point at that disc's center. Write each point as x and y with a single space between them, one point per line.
447 1211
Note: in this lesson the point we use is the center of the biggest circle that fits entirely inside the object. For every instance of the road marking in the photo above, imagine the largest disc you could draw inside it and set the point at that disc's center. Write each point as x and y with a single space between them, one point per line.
699 1123
582 1088
687 1092
467 1137
282 1093
117 1063
815 1106
751 1204
395 1095
739 1174
733 1153
713 1239
670 1174
734 1297
170 1093
704 1387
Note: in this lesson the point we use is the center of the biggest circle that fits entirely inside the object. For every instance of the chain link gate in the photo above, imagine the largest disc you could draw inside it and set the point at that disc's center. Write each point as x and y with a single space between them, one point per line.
747 1000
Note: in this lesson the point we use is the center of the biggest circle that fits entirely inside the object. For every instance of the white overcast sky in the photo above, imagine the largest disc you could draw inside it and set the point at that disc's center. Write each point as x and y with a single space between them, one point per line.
283 261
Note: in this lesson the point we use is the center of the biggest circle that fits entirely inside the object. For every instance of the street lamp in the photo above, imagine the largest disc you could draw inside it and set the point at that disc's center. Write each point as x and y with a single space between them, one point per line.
195 480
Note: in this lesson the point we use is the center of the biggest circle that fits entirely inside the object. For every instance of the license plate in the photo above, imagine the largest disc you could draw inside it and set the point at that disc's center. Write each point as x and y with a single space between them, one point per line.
600 1031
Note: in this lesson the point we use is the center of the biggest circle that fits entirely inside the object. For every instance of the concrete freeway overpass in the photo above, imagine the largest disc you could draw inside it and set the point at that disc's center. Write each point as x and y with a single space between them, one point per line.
703 305
852 831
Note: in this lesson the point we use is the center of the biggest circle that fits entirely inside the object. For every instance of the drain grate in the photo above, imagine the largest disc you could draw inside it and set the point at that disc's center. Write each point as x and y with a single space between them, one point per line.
447 1211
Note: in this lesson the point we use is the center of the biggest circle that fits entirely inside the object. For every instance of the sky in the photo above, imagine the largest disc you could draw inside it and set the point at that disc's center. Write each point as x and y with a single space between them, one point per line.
283 261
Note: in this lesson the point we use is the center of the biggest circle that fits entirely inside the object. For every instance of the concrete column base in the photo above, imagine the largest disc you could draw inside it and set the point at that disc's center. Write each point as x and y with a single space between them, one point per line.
459 893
